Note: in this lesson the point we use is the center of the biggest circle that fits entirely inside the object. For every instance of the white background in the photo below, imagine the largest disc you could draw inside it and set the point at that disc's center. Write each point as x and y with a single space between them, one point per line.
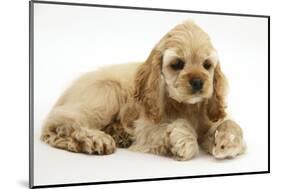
70 40
14 96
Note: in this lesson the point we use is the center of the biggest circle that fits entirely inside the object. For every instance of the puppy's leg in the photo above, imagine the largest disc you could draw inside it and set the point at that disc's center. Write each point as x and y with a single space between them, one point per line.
224 141
67 128
178 139
182 139
80 115
122 129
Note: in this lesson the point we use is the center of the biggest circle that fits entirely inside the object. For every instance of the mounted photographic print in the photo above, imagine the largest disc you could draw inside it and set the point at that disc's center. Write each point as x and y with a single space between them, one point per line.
126 94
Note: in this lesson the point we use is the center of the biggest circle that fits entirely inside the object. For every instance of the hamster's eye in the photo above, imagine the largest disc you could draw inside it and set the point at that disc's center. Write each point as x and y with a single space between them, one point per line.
222 147
177 64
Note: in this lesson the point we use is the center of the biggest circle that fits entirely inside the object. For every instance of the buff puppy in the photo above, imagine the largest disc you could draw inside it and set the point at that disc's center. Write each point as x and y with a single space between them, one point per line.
167 105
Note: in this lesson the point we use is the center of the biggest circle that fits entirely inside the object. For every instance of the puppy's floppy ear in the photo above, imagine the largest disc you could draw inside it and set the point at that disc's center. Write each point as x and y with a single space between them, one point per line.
216 104
147 85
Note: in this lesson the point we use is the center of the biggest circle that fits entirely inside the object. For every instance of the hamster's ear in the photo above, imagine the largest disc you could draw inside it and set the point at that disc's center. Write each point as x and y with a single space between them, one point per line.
232 137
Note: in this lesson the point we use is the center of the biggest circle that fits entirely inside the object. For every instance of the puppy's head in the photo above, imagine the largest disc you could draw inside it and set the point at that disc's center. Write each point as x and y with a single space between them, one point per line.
186 65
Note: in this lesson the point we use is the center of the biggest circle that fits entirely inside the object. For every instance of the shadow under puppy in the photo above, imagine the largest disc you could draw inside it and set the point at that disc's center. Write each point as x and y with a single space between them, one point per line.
168 105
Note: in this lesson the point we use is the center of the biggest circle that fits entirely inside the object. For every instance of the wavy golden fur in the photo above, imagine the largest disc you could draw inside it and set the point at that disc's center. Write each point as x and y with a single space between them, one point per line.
168 105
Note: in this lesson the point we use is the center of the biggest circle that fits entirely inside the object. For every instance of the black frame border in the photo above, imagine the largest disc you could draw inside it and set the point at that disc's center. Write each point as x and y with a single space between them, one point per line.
31 92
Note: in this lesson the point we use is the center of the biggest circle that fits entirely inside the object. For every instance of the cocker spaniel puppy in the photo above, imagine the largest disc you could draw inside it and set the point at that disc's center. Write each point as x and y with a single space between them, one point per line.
168 105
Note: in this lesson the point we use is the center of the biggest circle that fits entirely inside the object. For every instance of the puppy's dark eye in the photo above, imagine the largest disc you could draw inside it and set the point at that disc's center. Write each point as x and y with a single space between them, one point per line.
178 64
207 64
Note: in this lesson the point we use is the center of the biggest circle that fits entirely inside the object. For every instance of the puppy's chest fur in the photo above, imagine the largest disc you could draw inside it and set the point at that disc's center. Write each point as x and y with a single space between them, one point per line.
190 112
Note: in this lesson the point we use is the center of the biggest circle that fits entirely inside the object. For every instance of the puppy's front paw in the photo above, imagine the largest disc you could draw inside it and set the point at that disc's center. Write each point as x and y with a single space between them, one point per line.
182 141
228 141
96 142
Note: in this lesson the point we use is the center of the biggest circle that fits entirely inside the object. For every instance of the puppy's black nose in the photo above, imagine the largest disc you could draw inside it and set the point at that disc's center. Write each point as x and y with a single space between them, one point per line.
196 84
